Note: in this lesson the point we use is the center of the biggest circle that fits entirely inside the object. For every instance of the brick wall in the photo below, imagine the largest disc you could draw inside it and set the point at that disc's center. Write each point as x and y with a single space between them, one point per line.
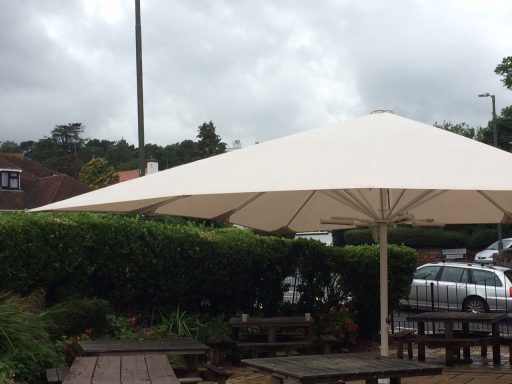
429 255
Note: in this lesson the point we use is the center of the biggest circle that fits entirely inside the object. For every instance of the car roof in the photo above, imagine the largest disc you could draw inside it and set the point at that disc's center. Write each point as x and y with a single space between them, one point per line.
474 265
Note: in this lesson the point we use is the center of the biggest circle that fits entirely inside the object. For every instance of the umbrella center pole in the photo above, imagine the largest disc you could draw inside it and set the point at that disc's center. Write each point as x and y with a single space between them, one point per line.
384 325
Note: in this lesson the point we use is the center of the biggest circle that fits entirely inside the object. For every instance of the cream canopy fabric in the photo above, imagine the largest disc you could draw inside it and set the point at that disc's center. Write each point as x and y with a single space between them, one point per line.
374 171
293 183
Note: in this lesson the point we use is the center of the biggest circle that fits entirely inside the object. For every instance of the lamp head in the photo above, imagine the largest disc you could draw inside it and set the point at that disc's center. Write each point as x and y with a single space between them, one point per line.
484 95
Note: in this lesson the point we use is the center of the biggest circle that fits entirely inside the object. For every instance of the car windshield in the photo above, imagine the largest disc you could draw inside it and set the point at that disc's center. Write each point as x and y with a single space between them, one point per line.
508 273
494 246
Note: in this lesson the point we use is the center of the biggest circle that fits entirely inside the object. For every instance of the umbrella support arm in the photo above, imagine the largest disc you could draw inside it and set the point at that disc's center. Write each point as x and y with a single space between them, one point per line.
384 326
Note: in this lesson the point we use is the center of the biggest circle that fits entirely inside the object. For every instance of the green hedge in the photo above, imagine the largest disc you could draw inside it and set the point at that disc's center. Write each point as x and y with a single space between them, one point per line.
139 265
350 275
134 263
471 237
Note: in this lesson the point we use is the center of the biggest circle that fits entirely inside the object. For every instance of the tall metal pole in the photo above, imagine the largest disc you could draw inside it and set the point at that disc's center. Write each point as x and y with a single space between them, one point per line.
495 143
140 91
495 139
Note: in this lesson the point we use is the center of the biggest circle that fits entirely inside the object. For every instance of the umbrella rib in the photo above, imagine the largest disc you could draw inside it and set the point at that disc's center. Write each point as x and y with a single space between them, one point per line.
368 205
421 199
297 211
351 203
228 213
152 208
495 203
399 197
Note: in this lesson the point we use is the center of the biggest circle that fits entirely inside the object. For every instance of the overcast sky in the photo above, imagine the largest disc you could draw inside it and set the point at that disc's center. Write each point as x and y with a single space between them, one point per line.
258 69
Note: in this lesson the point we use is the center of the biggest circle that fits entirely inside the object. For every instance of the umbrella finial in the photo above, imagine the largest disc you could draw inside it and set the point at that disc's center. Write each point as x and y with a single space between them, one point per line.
382 111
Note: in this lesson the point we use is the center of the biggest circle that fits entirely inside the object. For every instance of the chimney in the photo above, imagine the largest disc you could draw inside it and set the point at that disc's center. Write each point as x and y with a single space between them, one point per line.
152 167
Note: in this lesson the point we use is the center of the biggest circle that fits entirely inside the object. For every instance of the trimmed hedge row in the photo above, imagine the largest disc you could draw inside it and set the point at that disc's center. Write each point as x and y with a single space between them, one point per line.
144 264
138 264
472 237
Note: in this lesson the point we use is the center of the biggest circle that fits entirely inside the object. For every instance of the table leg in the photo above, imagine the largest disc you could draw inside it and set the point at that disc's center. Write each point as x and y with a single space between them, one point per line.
421 345
271 334
448 334
276 380
191 364
496 356
466 355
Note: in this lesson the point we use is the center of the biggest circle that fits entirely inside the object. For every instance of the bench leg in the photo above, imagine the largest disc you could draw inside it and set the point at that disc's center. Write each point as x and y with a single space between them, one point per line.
409 350
400 350
510 353
449 356
483 351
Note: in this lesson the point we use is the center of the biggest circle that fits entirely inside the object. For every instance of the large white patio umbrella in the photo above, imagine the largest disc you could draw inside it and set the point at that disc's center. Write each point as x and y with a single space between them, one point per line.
375 171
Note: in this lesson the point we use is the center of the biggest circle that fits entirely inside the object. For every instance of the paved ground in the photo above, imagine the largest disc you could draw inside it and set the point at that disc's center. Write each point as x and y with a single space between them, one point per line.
478 372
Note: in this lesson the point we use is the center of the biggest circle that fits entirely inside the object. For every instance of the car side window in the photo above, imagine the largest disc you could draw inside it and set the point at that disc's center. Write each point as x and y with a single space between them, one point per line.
454 275
427 273
485 278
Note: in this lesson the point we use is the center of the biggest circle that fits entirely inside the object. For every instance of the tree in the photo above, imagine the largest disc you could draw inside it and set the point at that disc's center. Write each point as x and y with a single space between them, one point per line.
122 156
67 137
98 173
505 69
10 147
209 143
26 147
462 129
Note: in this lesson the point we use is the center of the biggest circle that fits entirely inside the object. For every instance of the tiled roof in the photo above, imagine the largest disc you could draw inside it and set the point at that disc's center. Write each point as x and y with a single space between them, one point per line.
39 185
128 175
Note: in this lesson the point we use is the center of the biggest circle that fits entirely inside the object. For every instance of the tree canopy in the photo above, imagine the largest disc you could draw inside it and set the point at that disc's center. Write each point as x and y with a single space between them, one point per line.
98 173
504 69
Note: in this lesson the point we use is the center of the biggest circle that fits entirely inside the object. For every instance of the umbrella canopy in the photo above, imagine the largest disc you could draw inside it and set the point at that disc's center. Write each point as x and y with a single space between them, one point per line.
376 171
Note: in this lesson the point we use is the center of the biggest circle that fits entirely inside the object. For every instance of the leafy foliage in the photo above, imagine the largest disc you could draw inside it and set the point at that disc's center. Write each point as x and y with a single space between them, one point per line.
341 323
98 173
180 323
209 143
25 350
504 69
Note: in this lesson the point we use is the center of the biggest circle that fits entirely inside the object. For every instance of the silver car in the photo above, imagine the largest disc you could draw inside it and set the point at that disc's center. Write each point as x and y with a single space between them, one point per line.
487 255
461 286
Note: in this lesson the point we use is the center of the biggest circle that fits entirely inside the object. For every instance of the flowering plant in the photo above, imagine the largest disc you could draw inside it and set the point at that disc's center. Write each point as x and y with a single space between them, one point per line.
340 323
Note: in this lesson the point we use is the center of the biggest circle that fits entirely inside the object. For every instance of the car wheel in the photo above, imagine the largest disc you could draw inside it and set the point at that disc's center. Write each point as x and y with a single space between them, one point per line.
475 304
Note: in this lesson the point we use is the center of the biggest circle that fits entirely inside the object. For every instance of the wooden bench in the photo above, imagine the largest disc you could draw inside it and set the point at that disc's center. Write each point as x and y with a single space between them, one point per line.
56 375
270 348
453 345
400 338
135 369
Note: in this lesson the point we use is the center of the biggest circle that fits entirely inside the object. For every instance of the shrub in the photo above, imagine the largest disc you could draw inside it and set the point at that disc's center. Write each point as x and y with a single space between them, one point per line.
411 237
358 271
76 316
340 323
25 351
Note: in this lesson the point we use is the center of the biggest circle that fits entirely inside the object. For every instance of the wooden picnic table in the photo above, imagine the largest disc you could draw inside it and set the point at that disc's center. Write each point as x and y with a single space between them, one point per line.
278 333
186 346
133 369
341 367
452 341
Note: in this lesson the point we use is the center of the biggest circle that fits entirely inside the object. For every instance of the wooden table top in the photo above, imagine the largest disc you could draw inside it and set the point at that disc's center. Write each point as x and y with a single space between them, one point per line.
345 366
177 345
284 321
457 316
134 369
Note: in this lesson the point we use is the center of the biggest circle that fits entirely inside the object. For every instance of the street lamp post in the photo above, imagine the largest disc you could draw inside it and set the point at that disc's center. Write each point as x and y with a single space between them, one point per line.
495 141
140 92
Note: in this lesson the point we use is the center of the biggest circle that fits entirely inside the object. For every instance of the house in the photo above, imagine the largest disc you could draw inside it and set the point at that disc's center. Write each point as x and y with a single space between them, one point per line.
25 183
151 167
